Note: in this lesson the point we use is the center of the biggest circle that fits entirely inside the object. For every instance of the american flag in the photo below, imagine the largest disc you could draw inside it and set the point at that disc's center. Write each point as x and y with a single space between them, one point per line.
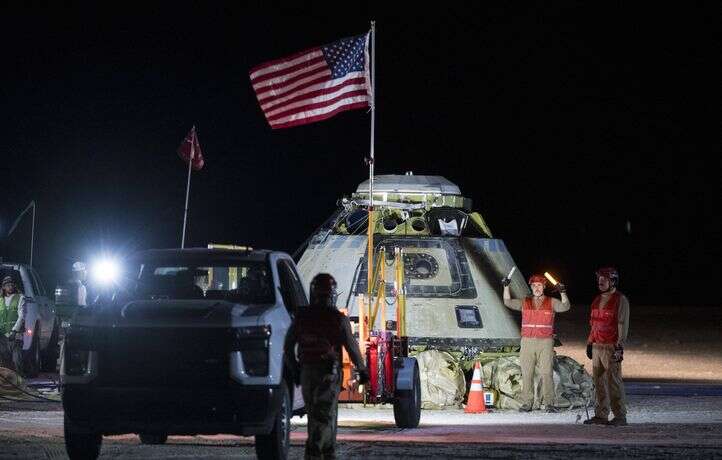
315 84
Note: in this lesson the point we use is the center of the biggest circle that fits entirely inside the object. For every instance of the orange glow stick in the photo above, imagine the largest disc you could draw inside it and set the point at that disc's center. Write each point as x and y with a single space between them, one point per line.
551 278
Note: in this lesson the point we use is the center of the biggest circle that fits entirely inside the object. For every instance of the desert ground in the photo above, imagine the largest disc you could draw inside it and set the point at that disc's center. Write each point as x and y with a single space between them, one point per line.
672 365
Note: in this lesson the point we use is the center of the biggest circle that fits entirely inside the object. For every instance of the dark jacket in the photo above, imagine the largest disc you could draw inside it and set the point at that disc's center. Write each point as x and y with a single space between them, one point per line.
320 332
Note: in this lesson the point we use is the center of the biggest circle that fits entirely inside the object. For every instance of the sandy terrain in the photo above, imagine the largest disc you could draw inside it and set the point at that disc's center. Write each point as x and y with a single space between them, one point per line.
662 427
665 343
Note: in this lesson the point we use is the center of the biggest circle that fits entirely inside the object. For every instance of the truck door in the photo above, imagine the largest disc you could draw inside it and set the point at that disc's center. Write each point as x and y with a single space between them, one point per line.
291 289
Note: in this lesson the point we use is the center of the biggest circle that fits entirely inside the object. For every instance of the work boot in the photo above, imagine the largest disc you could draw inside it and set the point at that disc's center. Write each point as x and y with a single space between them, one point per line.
618 421
525 408
596 421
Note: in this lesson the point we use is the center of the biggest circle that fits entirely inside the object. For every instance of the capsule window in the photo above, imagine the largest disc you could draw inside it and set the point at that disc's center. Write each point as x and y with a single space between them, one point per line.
468 316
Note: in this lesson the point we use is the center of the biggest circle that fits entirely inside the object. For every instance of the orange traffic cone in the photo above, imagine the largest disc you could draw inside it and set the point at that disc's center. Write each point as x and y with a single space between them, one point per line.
475 404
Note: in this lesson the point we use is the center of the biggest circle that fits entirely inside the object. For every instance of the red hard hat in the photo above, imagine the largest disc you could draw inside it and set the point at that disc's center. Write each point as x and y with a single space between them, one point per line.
608 272
537 279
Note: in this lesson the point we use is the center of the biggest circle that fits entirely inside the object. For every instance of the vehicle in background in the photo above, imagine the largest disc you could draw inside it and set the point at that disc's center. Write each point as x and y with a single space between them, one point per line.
71 294
190 342
41 330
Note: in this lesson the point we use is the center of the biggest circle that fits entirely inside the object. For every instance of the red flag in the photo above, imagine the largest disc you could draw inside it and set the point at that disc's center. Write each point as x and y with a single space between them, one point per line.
190 150
315 84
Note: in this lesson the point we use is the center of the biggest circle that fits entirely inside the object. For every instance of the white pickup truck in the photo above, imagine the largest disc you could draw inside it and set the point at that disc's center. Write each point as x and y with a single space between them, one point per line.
41 329
191 342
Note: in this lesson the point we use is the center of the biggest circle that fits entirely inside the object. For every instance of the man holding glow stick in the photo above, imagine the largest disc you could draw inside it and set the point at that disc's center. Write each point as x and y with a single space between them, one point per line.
537 336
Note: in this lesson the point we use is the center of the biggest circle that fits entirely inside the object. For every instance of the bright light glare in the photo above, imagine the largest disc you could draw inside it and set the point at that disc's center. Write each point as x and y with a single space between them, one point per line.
106 271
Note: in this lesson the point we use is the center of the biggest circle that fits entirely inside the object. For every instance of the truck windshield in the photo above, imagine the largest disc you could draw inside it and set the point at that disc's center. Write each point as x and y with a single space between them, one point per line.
236 281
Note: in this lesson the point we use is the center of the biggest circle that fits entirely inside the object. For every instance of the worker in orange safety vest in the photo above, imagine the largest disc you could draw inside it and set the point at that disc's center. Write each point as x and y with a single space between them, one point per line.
609 321
537 339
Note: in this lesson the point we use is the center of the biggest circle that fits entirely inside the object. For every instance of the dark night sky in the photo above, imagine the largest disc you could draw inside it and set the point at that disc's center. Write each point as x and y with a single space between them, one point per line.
562 123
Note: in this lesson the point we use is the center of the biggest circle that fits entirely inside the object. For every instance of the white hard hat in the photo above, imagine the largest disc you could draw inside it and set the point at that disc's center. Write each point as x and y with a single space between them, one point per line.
78 267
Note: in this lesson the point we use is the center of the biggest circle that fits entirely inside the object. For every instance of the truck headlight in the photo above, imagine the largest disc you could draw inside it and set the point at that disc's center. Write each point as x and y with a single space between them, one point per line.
255 362
250 337
252 342
77 362
62 296
106 271
78 344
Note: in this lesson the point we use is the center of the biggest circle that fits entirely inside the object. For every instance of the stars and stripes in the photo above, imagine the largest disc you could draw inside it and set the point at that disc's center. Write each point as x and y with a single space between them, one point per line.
315 84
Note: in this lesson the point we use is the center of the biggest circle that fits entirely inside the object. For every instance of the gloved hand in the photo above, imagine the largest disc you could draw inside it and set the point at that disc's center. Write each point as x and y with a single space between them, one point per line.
333 373
561 287
363 377
12 336
618 355
589 350
506 282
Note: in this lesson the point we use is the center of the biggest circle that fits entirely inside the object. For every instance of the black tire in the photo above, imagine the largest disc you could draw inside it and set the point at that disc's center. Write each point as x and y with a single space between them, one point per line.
81 445
153 438
407 406
275 445
52 351
31 357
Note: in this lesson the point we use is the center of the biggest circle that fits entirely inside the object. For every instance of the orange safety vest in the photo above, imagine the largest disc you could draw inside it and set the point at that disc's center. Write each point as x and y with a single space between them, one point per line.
604 321
537 323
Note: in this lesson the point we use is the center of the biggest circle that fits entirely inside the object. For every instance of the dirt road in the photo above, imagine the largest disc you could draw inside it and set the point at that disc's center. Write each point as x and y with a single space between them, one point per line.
661 426
668 421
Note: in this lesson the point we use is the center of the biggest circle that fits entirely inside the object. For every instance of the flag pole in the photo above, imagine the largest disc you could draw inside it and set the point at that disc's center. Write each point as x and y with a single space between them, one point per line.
371 165
32 231
32 236
188 186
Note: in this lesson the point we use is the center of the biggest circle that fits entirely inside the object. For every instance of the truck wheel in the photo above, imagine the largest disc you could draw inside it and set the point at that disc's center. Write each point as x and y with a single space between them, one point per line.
31 357
407 406
275 445
50 355
81 445
153 438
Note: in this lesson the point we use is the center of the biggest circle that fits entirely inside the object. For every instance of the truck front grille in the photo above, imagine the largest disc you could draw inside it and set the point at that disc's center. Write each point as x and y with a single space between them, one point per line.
173 357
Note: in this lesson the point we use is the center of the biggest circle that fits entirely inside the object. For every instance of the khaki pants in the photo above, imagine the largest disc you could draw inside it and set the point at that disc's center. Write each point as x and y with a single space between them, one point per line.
537 355
320 395
608 384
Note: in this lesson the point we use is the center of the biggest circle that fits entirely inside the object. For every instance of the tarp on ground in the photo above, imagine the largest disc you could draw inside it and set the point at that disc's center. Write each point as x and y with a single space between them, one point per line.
14 388
573 386
442 380
11 384
443 384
